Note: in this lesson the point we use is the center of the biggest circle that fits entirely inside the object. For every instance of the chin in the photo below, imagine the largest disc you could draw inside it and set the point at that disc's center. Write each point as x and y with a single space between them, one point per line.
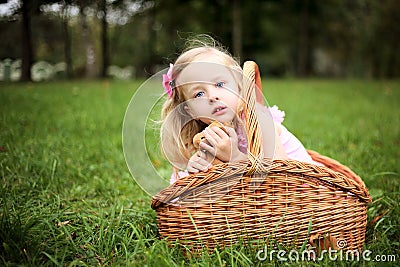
224 119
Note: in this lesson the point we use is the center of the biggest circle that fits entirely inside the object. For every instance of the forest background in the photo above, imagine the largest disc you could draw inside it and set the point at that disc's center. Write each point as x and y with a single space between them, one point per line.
287 38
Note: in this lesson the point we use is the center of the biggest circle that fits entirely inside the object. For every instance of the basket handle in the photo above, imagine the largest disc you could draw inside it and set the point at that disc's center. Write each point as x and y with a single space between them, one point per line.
252 93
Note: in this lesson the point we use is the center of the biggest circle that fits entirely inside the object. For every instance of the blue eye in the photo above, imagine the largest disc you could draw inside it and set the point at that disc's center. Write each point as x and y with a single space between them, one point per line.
220 84
199 94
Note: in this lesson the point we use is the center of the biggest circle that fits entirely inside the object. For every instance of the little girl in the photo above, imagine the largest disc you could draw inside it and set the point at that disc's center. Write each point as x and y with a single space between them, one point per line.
203 85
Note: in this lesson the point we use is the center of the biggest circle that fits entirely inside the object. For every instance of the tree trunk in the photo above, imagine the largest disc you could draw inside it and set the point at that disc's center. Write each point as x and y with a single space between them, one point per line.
104 40
236 28
27 51
393 68
151 56
304 40
90 68
67 41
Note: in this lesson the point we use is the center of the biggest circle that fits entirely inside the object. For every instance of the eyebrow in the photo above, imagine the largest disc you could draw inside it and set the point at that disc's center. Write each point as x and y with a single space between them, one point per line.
191 88
219 78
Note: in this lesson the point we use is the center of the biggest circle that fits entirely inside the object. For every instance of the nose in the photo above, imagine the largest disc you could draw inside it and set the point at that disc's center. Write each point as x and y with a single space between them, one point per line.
213 96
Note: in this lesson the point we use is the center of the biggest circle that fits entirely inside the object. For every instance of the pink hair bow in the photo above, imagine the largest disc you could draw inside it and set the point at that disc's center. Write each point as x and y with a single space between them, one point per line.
168 83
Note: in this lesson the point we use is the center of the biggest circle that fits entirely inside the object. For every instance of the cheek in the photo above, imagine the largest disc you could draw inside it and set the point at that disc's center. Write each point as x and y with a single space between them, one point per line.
198 107
232 91
233 100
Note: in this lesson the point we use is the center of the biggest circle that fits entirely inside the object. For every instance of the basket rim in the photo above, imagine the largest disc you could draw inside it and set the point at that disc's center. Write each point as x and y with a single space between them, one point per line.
352 184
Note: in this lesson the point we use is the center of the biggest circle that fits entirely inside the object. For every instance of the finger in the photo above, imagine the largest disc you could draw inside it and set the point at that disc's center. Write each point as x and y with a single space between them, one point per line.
210 139
194 167
200 164
201 153
211 136
203 166
219 132
231 131
207 148
205 155
191 169
213 132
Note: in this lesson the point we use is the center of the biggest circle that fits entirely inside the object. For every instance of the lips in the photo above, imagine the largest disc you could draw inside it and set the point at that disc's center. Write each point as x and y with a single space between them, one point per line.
218 109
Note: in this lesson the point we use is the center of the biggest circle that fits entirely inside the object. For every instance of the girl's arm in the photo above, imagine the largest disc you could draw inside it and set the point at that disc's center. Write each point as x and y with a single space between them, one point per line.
272 145
280 152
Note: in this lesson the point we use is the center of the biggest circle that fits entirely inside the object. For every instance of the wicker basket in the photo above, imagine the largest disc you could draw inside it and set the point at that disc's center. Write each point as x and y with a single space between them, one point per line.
259 198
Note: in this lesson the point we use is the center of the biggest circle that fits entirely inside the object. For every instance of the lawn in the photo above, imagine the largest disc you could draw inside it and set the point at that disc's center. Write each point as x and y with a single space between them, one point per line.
67 197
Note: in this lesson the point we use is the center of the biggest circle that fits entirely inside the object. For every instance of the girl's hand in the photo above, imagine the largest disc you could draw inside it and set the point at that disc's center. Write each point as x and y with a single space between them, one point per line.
199 162
222 145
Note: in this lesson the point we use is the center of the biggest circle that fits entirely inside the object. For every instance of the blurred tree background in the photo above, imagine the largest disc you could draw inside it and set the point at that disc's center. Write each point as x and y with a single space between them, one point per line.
288 38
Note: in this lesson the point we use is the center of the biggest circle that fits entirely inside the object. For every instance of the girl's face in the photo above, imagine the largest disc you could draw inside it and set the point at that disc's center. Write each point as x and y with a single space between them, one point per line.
210 90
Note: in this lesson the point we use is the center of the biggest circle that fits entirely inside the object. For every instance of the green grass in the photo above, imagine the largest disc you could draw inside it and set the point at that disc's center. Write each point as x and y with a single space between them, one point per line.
67 198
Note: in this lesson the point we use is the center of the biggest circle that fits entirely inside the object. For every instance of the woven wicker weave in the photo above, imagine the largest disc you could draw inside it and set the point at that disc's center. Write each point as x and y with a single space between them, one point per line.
259 198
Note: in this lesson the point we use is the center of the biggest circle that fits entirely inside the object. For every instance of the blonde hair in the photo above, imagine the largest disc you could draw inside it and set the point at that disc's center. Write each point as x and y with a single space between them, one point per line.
178 127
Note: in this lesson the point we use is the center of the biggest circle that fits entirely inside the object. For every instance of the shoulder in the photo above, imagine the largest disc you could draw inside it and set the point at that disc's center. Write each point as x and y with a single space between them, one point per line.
276 114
